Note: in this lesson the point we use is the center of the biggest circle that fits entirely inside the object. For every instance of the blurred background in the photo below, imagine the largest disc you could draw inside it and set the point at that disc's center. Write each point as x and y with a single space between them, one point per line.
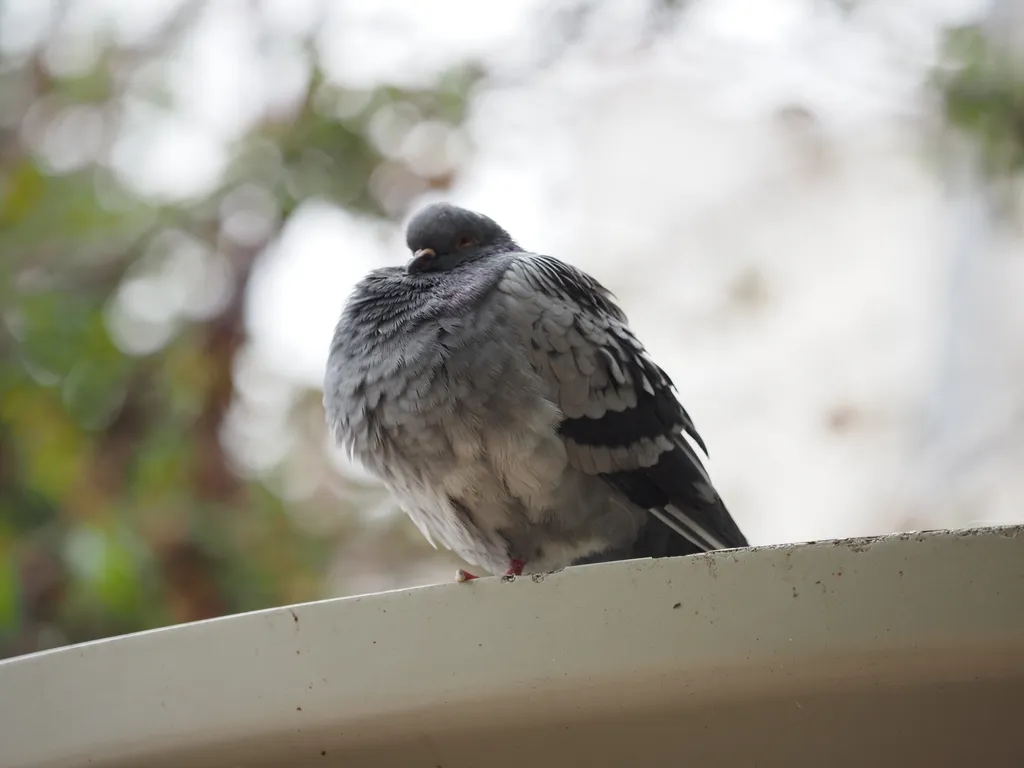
809 209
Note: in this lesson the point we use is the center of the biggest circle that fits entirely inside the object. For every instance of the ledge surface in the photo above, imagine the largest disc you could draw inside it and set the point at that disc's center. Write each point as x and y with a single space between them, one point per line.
906 647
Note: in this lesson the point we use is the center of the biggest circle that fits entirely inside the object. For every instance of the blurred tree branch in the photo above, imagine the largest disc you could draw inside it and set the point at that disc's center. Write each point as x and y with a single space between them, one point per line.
120 506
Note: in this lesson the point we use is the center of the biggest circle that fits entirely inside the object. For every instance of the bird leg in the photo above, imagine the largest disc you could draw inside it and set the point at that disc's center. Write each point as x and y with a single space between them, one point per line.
515 568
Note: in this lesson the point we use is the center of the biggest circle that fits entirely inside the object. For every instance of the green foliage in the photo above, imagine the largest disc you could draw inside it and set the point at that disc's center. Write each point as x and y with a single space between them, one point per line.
120 508
982 86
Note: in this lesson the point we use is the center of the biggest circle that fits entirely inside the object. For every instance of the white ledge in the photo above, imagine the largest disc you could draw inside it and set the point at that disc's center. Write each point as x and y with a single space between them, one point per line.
908 649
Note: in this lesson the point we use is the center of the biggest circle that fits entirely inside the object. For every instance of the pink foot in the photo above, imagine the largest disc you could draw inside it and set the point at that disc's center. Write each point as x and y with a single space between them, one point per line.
515 568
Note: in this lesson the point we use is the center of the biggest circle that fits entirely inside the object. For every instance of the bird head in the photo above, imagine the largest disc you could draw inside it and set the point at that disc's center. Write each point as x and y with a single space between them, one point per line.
443 237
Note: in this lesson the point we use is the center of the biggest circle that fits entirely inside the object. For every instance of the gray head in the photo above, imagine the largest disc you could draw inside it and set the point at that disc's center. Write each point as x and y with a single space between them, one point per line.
444 236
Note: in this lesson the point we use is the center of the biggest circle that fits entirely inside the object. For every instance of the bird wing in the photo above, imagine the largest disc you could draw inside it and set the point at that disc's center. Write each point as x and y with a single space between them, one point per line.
622 421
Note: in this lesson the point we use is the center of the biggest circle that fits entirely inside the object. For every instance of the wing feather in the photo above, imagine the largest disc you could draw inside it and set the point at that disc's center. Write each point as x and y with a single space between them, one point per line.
622 420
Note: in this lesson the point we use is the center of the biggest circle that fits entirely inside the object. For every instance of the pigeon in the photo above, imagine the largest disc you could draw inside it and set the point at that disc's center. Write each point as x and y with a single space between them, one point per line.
502 398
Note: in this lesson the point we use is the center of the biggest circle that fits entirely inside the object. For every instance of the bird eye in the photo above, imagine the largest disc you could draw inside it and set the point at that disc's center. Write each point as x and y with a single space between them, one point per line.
464 241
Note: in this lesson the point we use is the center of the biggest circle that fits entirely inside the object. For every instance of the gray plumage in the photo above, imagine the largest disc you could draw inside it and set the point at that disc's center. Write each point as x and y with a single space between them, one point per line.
503 399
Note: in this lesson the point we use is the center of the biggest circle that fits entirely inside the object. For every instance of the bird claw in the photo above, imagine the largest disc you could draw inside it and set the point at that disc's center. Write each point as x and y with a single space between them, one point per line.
515 568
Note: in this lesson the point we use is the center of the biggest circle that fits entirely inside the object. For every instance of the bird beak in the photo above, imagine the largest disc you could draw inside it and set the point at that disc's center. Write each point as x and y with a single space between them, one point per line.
419 261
